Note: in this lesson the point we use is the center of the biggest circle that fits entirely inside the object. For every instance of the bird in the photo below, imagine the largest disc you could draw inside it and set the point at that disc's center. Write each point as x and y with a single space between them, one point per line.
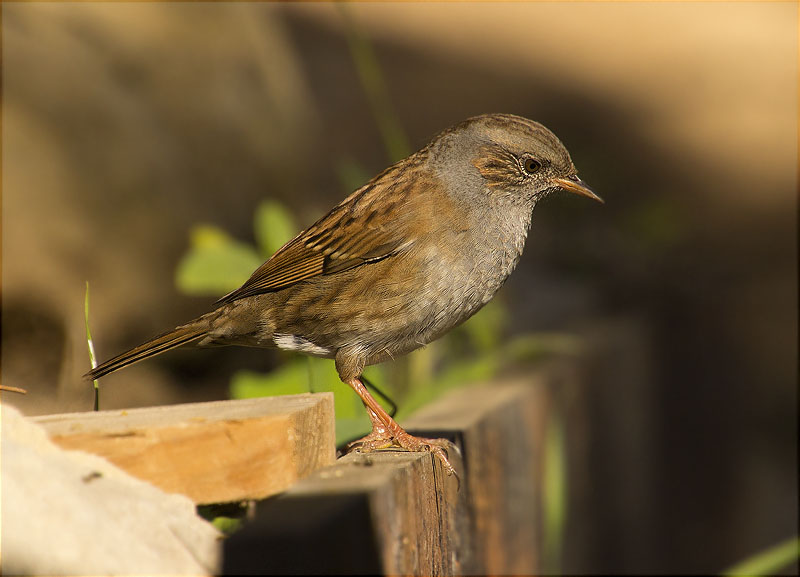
405 258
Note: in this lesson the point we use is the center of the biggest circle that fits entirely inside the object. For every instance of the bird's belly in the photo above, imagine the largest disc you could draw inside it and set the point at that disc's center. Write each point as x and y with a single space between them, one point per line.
388 308
450 292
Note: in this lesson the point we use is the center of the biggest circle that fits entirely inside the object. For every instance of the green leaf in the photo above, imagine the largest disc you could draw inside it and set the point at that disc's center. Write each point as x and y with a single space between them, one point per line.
456 375
323 377
486 327
555 493
302 375
770 561
348 430
274 226
215 263
227 525
290 379
351 417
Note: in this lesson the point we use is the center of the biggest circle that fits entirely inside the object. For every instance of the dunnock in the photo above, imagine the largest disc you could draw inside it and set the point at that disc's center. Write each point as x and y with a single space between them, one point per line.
408 256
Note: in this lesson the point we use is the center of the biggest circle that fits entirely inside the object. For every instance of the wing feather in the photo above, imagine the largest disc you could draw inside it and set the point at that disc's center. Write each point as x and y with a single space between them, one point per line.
367 226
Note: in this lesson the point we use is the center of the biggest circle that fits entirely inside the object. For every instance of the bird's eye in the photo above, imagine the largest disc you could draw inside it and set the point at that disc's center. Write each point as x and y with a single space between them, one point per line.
531 165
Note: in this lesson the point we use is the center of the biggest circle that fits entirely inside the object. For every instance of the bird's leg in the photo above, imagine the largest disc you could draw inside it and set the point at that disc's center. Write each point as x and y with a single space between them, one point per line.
379 437
387 433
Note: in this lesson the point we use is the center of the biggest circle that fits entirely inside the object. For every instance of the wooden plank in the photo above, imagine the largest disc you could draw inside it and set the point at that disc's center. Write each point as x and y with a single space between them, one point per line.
500 429
211 452
391 513
398 513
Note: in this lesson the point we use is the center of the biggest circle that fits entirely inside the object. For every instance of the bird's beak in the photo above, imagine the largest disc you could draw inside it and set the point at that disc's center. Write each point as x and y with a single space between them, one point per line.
576 185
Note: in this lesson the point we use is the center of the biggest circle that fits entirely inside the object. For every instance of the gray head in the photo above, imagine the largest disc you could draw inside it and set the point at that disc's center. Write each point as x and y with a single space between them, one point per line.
505 155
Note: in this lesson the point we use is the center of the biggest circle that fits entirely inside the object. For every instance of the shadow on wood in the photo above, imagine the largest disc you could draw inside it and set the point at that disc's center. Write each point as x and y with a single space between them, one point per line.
335 533
365 515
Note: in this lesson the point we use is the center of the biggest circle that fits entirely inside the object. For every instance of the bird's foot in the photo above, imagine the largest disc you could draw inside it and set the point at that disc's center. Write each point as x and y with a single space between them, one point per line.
375 441
381 440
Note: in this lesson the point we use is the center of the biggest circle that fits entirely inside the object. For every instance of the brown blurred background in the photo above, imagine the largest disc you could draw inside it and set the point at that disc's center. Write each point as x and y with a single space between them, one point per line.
124 125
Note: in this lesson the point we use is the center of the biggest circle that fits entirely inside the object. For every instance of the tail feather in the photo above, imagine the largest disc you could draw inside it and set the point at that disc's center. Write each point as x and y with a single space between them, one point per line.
171 339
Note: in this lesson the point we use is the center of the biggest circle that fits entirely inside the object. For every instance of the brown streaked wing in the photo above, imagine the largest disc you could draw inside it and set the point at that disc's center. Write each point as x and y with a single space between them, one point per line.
357 231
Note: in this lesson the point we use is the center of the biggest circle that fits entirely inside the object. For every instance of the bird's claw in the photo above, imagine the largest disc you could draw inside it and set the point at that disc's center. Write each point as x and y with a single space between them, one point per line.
378 441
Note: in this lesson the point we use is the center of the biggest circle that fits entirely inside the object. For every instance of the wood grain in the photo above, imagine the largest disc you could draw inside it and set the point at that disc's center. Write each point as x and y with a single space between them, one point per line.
397 513
391 513
211 452
501 432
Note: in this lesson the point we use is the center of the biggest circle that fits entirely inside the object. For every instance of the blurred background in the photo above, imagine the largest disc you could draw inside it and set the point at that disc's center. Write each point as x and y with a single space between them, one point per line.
127 125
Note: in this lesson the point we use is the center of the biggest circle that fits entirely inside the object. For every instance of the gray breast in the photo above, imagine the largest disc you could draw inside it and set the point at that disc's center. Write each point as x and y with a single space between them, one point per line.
466 279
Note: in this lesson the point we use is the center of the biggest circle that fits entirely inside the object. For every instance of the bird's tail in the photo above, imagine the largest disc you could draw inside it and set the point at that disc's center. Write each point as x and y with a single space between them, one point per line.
176 337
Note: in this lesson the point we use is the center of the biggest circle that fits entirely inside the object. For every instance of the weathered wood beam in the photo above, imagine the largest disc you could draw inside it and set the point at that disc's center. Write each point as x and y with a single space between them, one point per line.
398 513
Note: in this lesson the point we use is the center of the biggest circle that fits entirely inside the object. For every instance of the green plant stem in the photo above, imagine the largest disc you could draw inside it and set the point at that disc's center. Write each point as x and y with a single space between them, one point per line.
374 85
90 345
